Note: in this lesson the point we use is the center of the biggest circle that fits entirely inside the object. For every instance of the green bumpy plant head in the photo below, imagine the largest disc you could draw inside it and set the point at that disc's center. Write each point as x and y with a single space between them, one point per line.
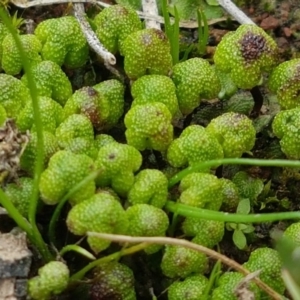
155 88
194 145
103 104
268 261
195 79
87 101
103 139
147 51
113 90
114 24
76 134
191 288
63 41
50 113
100 213
28 158
293 233
284 81
14 95
52 279
3 32
228 88
181 262
201 190
245 55
11 59
148 126
286 126
51 81
227 284
235 132
3 115
231 197
150 187
20 194
206 232
64 171
113 281
248 186
147 220
117 164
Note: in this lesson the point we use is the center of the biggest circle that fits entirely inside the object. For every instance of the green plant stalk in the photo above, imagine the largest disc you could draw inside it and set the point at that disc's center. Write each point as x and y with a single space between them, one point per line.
56 214
37 238
202 32
206 214
175 38
172 31
77 249
212 278
233 161
14 213
115 256
290 284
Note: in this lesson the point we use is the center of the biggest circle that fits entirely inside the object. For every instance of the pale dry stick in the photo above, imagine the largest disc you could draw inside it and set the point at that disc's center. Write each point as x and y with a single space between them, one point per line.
184 243
235 12
3 211
90 35
150 8
143 15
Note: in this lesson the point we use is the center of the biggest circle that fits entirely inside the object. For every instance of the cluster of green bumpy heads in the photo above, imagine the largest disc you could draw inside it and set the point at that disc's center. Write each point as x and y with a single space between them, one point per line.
125 198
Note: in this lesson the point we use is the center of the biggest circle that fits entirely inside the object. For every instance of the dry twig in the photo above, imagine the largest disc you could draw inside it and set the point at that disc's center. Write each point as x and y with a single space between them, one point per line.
184 243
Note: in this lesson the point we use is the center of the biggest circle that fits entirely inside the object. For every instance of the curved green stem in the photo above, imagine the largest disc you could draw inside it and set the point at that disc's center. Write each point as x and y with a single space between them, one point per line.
38 240
233 161
80 274
56 214
77 249
206 214
14 213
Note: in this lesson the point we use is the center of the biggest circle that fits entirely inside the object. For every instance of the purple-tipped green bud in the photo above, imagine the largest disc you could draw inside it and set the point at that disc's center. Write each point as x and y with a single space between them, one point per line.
245 55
